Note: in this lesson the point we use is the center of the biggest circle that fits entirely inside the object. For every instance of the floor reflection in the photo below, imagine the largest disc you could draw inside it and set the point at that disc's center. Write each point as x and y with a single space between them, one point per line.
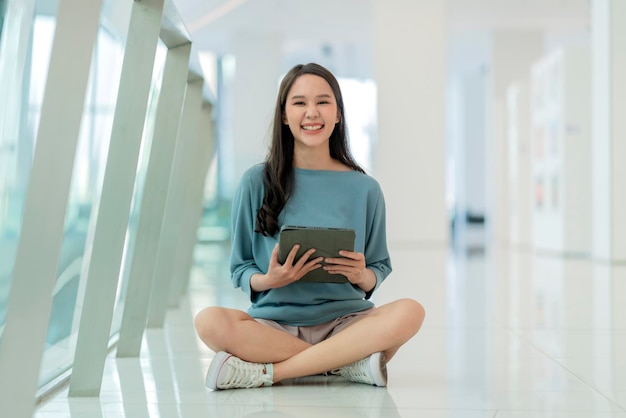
329 396
508 334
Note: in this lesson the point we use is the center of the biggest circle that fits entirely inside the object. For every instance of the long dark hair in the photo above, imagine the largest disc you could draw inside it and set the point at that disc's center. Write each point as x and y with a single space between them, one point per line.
278 177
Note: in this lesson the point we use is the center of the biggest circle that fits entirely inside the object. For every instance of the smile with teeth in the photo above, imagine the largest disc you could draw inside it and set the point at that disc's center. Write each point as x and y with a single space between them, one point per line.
312 127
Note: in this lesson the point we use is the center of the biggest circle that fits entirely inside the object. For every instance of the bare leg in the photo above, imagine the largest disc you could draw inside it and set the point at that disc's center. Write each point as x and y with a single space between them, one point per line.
236 332
384 330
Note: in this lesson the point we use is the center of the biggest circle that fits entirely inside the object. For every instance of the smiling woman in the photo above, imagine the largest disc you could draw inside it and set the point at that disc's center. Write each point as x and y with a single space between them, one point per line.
311 114
309 178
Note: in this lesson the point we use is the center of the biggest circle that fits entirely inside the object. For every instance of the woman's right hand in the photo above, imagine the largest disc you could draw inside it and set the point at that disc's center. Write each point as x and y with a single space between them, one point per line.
279 275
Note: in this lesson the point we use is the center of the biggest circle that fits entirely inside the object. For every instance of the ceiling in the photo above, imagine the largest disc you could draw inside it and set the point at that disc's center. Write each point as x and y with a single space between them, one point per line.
310 28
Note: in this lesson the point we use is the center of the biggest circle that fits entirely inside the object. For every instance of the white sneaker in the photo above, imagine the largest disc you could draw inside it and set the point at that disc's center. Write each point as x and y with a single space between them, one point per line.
371 370
229 372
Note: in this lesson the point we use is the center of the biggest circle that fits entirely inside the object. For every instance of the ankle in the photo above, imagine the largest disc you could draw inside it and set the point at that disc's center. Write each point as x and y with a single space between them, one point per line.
277 373
269 370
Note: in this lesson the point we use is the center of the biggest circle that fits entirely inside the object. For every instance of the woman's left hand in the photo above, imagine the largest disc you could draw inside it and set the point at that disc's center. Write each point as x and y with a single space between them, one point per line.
352 266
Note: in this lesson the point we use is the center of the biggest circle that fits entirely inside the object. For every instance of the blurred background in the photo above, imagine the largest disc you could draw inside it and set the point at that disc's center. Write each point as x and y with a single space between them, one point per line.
489 123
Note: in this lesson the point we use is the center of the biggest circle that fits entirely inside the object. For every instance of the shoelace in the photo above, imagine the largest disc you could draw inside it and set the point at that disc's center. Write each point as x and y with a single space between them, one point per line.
242 374
357 372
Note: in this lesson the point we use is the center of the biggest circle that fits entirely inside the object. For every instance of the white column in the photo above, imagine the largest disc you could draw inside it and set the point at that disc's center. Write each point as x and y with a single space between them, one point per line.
204 149
469 160
514 51
167 122
173 217
409 157
519 165
257 75
103 271
609 129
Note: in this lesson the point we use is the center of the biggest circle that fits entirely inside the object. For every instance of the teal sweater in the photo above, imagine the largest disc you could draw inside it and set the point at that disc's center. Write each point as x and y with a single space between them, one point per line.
338 199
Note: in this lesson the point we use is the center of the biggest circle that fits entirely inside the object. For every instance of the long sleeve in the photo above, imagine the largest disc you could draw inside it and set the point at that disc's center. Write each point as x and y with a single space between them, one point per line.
242 261
336 199
376 253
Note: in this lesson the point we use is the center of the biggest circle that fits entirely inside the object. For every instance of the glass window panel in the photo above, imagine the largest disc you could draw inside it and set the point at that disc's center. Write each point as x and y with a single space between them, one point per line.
218 187
142 167
85 189
3 7
24 58
43 35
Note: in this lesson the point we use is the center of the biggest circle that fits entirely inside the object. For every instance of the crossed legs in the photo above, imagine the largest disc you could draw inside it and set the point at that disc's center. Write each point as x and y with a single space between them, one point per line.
385 329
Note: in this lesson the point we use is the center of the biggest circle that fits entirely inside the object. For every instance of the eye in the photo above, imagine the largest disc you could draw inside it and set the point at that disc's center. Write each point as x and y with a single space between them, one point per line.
323 102
299 103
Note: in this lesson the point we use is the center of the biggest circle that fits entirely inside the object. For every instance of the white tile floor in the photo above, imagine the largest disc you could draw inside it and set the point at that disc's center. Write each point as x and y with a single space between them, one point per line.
507 335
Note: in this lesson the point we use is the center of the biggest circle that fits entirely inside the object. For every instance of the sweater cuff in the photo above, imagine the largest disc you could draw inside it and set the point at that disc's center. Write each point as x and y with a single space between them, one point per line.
246 286
379 280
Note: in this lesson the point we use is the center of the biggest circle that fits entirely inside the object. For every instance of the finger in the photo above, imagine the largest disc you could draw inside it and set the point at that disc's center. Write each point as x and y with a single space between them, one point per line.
305 257
303 271
274 257
292 255
310 267
315 261
351 255
336 269
338 273
343 262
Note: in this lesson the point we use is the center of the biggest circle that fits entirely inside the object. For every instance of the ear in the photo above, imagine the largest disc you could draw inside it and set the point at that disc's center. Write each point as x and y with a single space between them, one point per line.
338 117
285 119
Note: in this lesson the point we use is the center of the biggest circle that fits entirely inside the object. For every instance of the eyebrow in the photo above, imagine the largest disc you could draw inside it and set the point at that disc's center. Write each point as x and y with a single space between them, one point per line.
328 96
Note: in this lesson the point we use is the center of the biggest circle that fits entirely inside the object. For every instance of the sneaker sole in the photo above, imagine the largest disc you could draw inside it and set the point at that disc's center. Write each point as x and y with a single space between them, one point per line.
378 368
214 369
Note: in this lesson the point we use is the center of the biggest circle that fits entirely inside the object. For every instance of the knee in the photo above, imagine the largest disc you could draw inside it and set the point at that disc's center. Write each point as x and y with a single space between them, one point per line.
211 324
412 315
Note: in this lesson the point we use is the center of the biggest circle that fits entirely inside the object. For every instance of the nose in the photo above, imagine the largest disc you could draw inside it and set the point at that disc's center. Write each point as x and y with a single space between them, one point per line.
311 111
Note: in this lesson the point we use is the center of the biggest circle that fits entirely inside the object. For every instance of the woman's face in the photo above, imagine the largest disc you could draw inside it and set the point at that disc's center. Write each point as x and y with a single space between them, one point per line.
311 111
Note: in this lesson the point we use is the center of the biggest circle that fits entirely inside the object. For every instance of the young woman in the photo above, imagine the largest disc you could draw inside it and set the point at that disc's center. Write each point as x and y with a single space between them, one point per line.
295 328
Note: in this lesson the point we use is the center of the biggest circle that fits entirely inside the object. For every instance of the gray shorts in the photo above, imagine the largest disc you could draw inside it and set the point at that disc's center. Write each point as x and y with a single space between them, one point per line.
317 333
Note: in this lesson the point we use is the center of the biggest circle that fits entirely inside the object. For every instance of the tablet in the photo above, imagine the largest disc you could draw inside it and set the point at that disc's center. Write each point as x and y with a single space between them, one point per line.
327 243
